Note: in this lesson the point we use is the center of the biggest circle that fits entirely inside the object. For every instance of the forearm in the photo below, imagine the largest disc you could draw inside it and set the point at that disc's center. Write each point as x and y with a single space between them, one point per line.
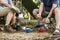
51 11
41 8
5 4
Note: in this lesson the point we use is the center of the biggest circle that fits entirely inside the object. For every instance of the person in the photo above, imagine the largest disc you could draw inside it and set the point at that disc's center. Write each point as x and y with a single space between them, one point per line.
49 7
8 9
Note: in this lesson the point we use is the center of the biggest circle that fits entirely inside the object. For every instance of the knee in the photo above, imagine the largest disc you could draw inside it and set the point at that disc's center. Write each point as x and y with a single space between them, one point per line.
57 10
13 12
35 11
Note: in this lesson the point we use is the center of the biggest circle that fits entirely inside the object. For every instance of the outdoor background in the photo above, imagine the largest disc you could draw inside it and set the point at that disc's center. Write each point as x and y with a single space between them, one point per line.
27 19
26 7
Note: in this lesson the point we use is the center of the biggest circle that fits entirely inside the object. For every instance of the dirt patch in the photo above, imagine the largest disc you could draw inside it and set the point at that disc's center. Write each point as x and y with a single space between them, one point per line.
23 36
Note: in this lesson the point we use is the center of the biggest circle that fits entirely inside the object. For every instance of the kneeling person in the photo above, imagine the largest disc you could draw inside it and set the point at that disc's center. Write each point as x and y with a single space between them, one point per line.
51 6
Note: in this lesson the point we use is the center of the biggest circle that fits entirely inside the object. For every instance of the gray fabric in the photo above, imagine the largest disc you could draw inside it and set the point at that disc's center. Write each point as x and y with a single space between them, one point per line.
10 2
7 1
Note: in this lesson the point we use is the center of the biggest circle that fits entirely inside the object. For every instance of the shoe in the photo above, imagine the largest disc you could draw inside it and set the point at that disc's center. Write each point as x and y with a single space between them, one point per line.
56 32
16 27
13 26
8 29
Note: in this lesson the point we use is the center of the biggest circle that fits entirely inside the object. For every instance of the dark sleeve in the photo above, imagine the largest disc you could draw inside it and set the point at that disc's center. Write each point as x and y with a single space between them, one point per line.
56 2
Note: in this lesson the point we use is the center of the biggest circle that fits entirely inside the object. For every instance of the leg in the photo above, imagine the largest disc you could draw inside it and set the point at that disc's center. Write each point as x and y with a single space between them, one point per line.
6 11
13 21
14 25
14 18
57 18
9 17
8 20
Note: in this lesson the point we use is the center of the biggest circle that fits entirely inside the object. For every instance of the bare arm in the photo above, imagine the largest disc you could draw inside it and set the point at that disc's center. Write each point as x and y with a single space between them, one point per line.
5 4
41 8
51 11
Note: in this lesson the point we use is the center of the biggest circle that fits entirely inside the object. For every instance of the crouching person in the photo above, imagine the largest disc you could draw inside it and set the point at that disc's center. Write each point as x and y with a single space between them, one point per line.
7 9
49 7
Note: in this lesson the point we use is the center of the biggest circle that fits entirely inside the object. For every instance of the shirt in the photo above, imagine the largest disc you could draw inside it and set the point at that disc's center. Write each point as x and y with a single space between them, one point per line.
48 4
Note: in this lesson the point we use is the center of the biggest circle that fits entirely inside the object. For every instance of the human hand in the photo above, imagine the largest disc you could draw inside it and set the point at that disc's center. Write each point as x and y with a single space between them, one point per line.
47 20
15 9
39 16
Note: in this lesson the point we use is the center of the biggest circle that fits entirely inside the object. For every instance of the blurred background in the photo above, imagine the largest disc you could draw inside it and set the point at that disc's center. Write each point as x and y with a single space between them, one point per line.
26 7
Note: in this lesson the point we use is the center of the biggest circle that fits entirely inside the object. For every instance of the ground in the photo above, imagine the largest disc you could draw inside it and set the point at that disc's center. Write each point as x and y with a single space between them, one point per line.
22 35
27 36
